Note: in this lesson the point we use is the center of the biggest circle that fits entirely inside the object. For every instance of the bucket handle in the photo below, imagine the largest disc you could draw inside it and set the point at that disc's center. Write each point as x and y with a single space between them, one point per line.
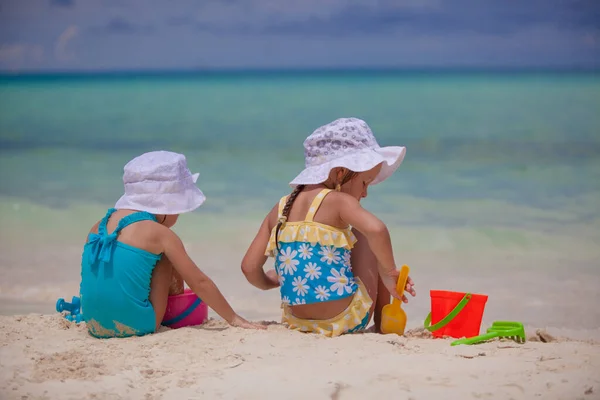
446 320
184 314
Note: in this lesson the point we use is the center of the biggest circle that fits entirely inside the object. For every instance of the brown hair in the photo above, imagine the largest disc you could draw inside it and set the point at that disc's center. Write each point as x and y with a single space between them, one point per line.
347 177
286 211
292 197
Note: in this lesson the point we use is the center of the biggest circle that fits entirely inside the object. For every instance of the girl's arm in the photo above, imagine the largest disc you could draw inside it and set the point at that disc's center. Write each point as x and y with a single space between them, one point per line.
376 232
199 282
254 260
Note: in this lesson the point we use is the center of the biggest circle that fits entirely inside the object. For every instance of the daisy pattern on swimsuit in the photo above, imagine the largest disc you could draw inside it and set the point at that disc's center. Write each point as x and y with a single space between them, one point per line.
322 293
285 300
346 261
302 267
299 301
288 261
305 251
280 278
313 271
300 286
329 255
340 281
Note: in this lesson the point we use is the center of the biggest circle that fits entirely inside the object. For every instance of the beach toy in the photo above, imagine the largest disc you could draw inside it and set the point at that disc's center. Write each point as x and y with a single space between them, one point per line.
185 309
499 329
455 314
77 318
73 309
393 317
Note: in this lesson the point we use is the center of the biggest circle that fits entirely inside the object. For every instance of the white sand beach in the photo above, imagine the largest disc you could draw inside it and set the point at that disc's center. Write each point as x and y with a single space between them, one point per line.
47 357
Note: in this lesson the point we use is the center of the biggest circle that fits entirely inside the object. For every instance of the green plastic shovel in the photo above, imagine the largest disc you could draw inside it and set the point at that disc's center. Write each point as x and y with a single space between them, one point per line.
499 329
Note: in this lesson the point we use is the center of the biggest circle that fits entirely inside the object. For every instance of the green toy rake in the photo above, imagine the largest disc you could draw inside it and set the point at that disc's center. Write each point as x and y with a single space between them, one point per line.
499 329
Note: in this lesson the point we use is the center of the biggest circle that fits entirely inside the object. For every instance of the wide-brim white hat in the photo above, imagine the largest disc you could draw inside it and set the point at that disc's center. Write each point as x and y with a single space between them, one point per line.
160 182
347 143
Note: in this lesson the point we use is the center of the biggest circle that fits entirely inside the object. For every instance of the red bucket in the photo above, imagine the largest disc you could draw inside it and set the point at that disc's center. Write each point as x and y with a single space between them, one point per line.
185 309
455 314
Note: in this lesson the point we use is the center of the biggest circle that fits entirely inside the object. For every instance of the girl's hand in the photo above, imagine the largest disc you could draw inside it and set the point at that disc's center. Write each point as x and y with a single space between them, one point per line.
273 277
390 280
240 322
410 288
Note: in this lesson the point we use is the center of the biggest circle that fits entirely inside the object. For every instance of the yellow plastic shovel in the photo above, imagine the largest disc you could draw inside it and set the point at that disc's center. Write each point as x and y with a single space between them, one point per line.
393 317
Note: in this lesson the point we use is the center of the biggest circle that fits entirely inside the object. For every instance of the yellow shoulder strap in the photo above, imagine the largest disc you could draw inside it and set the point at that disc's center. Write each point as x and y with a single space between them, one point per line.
316 203
281 205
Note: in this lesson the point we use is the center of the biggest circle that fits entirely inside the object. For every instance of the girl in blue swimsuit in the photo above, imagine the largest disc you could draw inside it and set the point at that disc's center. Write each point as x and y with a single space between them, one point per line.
131 256
334 264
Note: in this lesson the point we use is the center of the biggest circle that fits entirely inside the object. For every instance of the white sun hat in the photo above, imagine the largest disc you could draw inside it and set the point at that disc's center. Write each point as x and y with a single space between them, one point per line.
348 143
159 182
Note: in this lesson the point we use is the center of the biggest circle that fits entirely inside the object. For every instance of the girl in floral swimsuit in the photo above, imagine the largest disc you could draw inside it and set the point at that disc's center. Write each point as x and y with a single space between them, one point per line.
334 263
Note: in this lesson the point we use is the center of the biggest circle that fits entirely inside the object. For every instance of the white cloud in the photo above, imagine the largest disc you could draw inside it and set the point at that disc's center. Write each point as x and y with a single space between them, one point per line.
61 50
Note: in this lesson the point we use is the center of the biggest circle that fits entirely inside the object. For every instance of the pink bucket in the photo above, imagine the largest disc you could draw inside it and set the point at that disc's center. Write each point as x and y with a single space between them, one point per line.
185 309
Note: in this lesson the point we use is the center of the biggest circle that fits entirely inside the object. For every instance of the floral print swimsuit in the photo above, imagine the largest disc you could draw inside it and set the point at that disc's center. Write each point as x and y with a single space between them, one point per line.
313 265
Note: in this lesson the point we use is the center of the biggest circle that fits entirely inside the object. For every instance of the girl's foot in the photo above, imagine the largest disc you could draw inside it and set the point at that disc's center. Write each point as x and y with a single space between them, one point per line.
372 329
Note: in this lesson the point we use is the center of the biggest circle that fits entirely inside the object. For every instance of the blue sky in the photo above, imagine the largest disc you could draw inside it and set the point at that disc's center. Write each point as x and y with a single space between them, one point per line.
159 34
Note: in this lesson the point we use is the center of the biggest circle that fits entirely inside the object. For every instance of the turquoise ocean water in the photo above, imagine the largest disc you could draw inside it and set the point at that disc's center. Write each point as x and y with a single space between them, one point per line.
524 139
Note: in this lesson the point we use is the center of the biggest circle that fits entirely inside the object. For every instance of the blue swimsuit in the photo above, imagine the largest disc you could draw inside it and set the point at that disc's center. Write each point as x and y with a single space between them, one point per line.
115 282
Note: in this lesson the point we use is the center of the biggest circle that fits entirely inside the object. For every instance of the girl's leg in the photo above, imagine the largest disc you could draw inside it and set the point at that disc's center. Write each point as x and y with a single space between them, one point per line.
162 277
364 266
